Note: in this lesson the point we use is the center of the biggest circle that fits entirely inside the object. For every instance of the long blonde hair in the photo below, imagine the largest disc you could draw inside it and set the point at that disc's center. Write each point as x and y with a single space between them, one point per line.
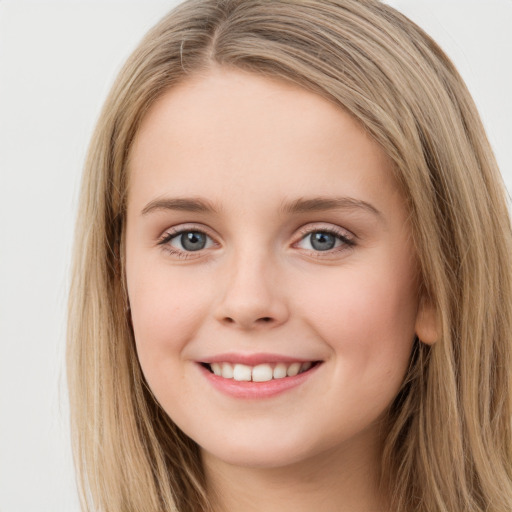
449 441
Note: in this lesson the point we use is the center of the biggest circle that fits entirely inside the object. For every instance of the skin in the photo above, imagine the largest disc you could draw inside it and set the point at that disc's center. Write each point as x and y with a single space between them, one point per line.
249 145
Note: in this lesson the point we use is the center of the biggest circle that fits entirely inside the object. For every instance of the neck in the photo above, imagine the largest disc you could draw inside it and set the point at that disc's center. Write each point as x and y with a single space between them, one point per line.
342 480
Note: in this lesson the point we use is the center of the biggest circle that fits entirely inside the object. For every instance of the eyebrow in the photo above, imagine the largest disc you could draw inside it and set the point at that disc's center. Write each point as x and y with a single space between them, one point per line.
301 205
320 204
185 204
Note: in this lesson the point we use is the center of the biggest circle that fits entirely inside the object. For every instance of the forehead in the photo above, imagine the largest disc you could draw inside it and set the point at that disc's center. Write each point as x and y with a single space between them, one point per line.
236 135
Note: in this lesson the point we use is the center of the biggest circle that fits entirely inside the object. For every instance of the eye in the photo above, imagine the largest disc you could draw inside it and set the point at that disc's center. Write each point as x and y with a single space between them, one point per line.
186 241
323 240
190 241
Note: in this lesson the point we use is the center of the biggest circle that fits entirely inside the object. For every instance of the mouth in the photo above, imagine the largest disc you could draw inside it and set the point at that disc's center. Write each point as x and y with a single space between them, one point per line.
264 372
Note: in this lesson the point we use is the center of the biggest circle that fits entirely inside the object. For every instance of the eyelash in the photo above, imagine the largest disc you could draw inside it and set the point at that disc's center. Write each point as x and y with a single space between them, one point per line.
168 236
341 235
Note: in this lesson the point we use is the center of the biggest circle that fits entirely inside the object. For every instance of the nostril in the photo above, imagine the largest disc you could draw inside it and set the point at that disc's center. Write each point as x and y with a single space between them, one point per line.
247 323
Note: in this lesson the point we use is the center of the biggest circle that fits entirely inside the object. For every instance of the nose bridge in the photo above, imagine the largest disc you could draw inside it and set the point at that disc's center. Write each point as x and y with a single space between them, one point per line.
251 296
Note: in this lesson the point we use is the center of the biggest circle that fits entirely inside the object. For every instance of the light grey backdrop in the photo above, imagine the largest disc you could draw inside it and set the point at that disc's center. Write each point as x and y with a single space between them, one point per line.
57 61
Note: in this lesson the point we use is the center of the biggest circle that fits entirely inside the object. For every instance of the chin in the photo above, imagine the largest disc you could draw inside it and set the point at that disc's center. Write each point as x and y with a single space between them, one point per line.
255 458
264 452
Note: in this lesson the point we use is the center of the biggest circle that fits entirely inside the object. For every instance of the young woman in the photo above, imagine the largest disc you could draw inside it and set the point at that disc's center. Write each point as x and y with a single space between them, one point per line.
292 282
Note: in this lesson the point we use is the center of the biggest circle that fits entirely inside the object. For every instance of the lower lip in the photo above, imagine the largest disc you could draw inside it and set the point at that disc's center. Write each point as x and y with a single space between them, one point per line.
257 390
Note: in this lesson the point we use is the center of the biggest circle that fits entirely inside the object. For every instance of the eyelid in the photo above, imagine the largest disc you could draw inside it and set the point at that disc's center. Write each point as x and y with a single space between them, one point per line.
174 231
347 238
314 227
187 226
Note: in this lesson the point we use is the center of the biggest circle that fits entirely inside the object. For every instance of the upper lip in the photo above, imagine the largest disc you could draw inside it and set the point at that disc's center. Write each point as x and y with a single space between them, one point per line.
255 359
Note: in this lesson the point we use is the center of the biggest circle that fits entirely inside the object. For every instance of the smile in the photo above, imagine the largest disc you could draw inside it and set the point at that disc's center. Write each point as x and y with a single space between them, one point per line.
259 373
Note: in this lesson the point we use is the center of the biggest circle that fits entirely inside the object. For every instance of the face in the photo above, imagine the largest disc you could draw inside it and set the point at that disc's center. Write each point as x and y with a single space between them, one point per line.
270 269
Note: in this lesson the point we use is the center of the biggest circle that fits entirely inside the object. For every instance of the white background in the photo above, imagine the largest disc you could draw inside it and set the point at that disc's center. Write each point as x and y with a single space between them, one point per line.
57 62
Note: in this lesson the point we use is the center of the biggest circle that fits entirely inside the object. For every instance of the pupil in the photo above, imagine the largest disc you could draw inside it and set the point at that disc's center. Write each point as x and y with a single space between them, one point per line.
322 241
193 241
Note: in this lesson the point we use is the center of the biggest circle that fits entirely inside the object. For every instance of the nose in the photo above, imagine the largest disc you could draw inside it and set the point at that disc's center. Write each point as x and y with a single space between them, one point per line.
253 294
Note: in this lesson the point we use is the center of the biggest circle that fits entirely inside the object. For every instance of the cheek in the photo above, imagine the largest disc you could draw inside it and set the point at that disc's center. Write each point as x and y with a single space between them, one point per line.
166 311
367 318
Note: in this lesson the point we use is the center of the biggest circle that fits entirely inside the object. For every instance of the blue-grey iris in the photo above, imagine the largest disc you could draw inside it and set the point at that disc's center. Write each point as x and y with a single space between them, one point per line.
321 241
193 240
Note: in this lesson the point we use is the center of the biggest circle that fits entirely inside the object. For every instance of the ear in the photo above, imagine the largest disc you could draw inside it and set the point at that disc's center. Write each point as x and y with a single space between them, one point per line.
426 327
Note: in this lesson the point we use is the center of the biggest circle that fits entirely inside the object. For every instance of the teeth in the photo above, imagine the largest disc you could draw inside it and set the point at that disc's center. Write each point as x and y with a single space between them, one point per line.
216 368
227 371
241 372
279 371
260 372
293 369
305 367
